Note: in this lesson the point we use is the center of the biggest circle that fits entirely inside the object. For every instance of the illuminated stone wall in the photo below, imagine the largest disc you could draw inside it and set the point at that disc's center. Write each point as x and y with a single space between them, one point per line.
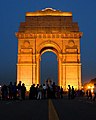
49 30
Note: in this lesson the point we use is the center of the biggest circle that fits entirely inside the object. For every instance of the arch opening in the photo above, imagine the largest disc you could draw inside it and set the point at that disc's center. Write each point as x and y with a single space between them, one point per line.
48 49
48 66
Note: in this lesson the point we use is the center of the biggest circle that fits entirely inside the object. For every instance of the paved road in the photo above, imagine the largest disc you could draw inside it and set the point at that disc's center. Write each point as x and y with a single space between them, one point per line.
77 109
24 110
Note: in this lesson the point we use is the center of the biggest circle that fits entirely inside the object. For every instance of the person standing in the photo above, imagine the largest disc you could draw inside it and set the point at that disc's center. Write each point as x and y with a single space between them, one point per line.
14 91
73 93
44 91
69 92
39 96
94 91
10 88
61 92
23 91
19 90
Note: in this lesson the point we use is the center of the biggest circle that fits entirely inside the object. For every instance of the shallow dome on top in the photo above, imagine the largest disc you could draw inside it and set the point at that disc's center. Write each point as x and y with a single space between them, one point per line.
49 9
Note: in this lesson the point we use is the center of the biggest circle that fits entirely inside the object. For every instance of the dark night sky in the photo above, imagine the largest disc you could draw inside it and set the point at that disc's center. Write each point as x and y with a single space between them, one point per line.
12 12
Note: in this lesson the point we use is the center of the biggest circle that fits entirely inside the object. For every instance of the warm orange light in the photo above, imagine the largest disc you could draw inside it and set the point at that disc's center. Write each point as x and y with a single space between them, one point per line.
91 90
89 87
49 11
39 37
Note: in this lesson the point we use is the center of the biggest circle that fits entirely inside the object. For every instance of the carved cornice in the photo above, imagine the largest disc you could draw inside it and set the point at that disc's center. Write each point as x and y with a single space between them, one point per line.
21 35
48 11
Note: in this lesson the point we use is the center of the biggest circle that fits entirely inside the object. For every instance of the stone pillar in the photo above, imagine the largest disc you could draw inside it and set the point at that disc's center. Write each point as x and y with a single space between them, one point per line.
59 71
34 63
72 75
38 70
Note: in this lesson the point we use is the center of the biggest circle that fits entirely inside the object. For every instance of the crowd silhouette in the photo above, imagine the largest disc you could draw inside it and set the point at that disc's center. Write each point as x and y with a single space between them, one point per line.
13 91
18 91
48 90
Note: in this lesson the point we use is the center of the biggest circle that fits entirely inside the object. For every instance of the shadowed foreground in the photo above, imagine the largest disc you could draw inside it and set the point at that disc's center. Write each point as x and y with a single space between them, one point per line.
76 109
24 110
59 109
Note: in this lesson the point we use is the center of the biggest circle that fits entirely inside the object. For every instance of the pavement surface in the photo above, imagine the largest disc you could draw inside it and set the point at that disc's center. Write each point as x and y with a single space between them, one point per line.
76 109
24 110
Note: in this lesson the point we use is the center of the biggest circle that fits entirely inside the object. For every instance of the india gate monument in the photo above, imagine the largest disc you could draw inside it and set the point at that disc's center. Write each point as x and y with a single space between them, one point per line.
49 30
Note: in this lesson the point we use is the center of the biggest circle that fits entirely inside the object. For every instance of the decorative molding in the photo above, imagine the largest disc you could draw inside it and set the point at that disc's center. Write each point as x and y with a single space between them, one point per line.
71 43
26 44
22 35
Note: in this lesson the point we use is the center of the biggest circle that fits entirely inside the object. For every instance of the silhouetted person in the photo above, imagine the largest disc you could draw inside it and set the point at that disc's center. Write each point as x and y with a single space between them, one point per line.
58 91
89 94
72 93
10 87
69 92
94 91
19 89
32 92
23 91
44 91
36 94
61 92
48 92
54 90
4 90
40 92
14 91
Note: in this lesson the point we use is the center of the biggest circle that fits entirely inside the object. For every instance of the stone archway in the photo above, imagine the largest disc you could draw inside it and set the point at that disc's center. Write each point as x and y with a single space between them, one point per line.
48 47
49 30
48 65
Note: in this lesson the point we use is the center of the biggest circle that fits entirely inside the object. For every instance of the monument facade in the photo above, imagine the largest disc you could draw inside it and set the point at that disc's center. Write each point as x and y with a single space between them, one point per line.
49 30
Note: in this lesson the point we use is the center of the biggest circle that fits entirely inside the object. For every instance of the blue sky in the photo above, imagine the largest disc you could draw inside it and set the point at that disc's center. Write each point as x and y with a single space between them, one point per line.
12 12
